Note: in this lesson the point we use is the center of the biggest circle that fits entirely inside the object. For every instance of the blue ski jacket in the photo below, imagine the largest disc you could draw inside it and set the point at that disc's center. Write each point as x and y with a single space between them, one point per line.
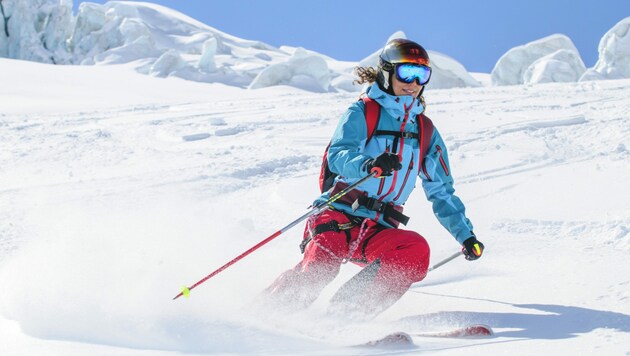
348 154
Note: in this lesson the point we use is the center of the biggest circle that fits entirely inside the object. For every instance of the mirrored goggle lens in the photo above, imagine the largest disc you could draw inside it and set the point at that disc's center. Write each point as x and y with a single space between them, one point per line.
409 72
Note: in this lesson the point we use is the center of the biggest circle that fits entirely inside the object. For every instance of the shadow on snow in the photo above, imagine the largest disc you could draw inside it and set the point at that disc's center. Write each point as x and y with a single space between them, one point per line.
545 321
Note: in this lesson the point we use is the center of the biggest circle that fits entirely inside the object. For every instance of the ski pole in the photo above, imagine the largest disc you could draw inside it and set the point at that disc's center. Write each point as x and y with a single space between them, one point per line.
445 261
317 209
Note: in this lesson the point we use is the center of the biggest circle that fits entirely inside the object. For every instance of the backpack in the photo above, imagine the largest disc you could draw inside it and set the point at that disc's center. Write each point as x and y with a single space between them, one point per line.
372 115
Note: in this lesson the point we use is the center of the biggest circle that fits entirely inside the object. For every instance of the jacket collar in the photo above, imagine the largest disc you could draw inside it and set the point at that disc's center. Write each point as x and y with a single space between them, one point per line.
395 105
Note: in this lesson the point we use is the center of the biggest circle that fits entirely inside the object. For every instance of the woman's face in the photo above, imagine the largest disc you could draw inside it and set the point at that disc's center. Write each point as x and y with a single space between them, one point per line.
402 88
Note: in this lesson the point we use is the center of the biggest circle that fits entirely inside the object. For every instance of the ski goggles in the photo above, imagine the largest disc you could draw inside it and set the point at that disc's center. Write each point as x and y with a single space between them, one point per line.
408 72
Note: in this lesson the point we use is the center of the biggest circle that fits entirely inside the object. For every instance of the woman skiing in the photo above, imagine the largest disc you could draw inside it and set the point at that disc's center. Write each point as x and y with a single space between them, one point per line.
363 226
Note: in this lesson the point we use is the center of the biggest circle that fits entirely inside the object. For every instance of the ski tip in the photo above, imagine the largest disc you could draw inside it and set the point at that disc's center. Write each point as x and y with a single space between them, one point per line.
474 331
481 330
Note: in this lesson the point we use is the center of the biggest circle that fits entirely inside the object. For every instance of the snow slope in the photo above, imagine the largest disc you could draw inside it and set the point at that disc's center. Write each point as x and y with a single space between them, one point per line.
117 189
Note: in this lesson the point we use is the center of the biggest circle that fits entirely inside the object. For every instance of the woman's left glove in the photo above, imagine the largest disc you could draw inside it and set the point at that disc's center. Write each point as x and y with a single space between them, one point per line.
386 163
472 248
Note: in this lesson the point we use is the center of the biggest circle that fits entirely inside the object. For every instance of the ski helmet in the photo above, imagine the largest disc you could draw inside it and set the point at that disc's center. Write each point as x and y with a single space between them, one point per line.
397 51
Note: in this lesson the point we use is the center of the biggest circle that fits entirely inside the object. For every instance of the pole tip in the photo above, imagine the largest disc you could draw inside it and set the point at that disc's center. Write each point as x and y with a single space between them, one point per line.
185 292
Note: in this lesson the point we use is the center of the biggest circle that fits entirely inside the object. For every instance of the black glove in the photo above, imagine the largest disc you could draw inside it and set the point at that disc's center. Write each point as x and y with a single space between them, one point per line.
386 162
472 248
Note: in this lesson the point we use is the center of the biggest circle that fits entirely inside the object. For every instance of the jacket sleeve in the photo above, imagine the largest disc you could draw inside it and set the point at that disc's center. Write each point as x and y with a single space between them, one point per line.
345 154
438 187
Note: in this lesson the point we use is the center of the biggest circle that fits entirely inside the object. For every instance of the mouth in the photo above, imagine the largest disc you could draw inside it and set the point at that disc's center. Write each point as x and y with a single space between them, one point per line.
409 91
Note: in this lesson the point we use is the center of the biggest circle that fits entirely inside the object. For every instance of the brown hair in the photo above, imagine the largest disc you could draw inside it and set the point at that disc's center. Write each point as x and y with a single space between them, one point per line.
365 74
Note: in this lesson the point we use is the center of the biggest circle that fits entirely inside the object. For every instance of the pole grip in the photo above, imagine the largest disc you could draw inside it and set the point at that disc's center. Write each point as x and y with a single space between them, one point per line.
376 172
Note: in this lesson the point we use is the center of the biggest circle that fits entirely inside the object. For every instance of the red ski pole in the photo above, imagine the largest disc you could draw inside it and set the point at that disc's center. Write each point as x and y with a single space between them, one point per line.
319 208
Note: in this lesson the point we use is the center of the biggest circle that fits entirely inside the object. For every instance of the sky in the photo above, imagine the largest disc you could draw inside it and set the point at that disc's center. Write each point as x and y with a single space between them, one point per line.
475 33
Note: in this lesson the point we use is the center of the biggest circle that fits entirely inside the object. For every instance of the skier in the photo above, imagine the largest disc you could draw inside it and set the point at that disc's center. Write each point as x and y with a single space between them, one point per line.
362 226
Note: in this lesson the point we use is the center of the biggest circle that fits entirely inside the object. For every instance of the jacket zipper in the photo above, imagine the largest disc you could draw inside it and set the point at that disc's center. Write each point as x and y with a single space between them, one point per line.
442 162
380 186
402 187
400 154
382 181
424 170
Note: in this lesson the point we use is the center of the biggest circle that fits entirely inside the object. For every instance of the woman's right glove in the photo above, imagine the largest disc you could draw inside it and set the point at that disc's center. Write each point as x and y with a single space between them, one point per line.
386 163
472 248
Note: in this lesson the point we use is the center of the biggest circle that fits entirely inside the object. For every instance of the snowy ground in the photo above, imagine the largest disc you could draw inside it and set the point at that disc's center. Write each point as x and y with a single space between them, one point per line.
117 189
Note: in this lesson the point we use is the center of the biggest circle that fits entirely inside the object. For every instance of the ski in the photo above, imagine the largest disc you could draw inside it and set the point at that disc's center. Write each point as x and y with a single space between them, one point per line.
395 339
399 338
471 331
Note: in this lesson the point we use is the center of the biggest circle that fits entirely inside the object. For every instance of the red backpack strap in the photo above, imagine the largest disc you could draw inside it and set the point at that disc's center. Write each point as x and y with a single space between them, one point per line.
372 114
425 125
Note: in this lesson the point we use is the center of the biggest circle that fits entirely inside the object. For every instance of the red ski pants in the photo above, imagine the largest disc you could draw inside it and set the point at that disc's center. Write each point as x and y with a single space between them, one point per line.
401 258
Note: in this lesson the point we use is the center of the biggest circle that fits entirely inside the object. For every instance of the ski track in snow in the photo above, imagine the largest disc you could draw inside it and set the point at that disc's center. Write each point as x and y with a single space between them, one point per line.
615 233
502 142
218 132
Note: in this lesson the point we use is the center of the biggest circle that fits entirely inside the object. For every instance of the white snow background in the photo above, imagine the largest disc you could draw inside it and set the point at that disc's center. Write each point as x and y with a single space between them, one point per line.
119 188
